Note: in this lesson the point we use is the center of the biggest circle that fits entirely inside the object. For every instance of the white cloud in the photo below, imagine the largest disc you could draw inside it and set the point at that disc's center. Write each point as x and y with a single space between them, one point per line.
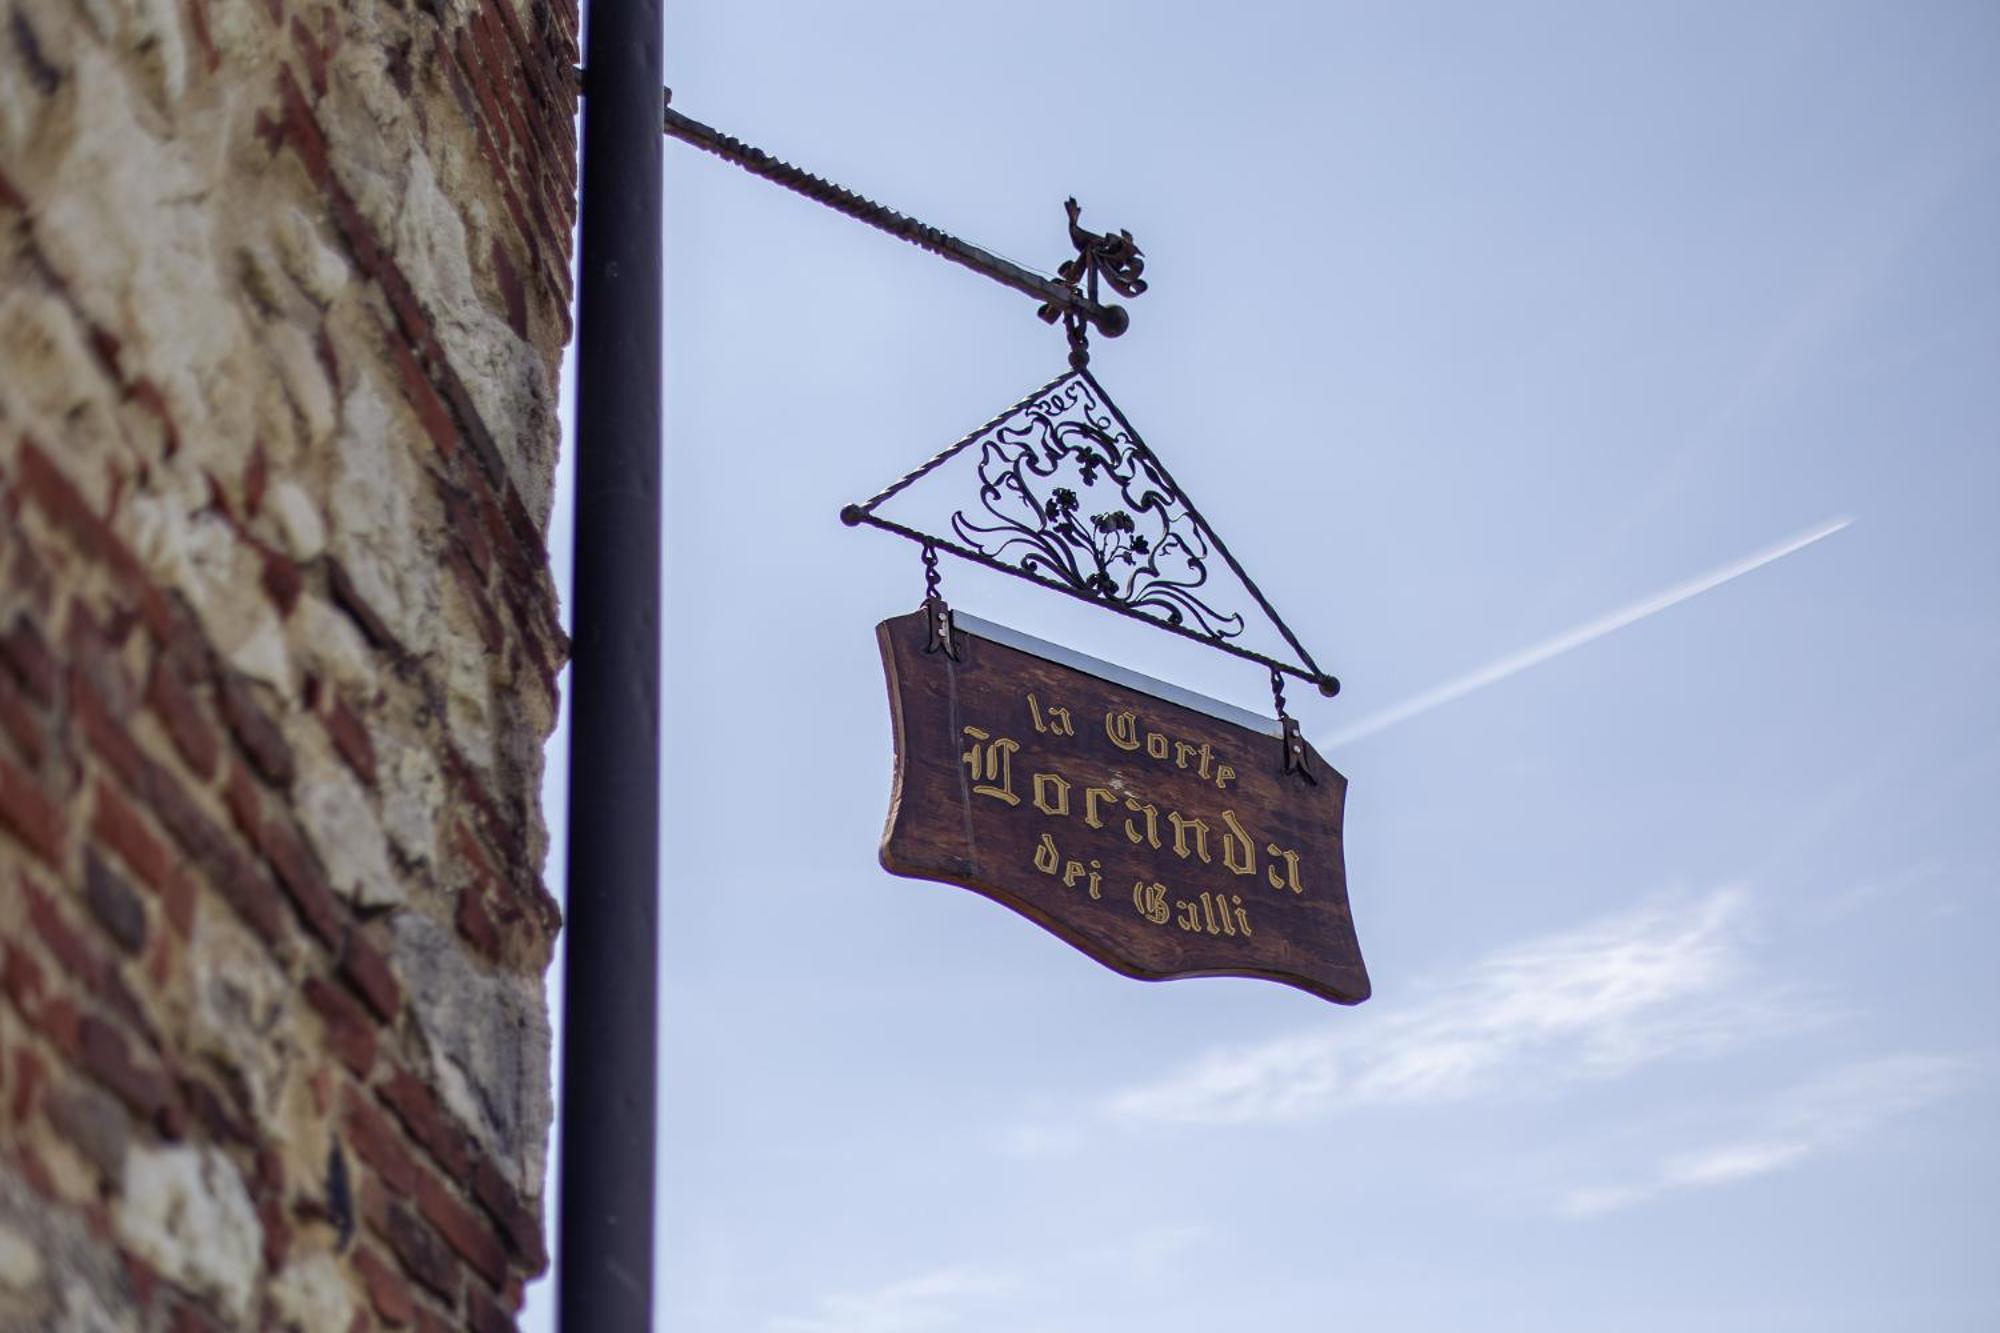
1827 1114
921 1304
1593 1002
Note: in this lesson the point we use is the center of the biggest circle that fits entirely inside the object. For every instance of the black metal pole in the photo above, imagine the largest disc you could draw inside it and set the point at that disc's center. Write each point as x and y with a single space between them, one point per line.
605 1228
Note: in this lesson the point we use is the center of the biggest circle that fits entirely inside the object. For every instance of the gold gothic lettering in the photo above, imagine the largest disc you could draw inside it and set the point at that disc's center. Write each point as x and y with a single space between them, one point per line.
1181 824
1058 723
1239 853
1151 837
992 763
1207 914
1122 727
1291 860
1046 783
1050 861
1151 901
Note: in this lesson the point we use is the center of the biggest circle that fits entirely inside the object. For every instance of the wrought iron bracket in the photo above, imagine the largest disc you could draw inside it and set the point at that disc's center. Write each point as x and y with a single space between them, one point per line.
1071 297
1115 259
942 636
1297 759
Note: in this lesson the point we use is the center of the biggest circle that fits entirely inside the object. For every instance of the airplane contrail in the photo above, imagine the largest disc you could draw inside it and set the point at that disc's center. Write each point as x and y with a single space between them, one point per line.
1515 663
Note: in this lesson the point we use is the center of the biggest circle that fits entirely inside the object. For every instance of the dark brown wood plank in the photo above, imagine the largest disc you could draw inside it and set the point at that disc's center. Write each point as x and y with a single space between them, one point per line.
1160 841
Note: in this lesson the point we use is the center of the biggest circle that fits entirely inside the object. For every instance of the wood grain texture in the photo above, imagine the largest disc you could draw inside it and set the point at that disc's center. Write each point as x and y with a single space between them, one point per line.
1160 841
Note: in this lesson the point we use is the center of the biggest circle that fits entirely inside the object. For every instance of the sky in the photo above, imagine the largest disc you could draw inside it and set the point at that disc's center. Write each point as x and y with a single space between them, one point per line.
1608 395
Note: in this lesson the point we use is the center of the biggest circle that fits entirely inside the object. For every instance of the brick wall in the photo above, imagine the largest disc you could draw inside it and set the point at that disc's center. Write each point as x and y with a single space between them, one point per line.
283 288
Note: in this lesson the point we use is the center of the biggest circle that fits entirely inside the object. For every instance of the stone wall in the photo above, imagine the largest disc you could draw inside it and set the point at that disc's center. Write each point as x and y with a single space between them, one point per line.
283 288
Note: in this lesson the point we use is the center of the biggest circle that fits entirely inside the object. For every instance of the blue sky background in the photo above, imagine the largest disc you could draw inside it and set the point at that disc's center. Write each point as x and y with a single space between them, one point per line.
1472 326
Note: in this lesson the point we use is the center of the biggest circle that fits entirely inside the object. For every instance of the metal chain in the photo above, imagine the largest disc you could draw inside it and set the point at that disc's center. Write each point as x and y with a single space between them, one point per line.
931 579
1278 692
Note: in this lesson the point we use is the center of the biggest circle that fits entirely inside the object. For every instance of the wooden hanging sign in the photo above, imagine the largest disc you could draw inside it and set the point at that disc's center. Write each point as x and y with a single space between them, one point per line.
1159 833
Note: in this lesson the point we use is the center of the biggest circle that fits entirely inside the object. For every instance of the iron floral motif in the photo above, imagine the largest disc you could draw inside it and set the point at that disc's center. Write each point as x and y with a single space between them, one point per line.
1144 551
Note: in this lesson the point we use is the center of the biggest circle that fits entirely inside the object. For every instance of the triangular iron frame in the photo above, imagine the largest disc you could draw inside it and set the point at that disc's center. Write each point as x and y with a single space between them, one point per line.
1105 595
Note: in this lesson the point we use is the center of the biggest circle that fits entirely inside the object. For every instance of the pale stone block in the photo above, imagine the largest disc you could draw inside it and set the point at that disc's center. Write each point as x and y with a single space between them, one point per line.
184 1209
298 519
242 1015
312 1294
488 1037
20 1261
334 809
315 266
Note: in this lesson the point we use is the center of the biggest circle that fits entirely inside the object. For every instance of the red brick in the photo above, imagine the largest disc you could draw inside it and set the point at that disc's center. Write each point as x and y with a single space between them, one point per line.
58 1021
258 735
239 880
221 1120
423 1256
298 870
22 725
425 400
56 495
114 904
387 1291
96 654
108 737
256 475
245 804
312 53
465 1229
376 1141
178 896
427 1121
349 1031
175 705
27 657
350 600
302 131
483 1314
28 1075
277 1231
523 1230
475 923
282 582
368 972
28 813
468 843
350 737
107 1057
77 959
428 1321
21 977
115 824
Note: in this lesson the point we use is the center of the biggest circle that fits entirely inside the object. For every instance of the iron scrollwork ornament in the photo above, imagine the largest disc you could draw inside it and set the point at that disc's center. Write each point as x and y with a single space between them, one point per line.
1143 551
1117 260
